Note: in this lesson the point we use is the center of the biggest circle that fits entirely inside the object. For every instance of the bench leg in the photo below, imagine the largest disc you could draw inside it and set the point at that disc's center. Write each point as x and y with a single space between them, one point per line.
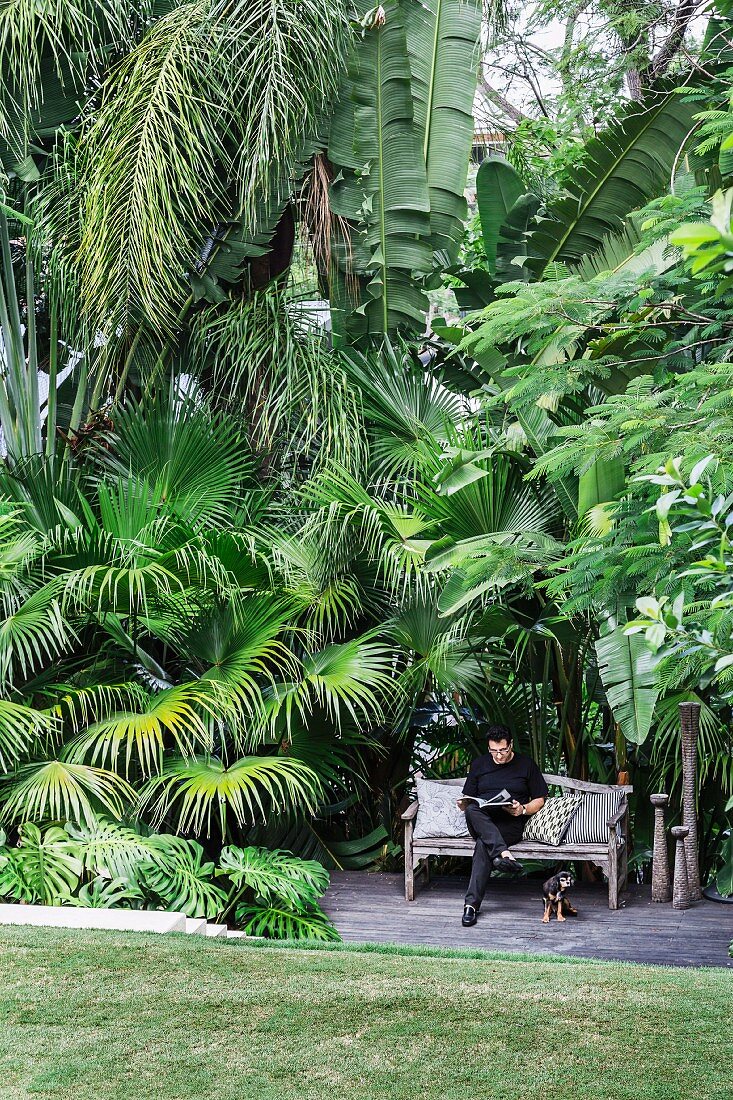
409 878
613 874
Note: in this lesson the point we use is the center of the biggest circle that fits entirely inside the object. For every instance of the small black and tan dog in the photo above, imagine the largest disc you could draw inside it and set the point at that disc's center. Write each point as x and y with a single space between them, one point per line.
554 895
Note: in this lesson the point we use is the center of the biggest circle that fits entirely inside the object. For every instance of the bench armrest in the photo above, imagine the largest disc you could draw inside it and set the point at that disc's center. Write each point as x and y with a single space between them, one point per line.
619 815
410 812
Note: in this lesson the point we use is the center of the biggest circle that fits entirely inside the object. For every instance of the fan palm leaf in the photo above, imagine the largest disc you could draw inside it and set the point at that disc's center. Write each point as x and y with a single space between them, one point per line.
407 411
36 632
195 459
57 789
172 715
20 726
353 676
238 647
248 789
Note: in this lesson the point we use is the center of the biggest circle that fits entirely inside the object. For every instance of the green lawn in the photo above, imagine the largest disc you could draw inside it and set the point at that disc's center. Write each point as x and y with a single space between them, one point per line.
107 1016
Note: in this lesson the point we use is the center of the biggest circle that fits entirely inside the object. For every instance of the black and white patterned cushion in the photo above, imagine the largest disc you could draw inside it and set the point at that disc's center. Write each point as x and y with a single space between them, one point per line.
438 814
549 824
590 823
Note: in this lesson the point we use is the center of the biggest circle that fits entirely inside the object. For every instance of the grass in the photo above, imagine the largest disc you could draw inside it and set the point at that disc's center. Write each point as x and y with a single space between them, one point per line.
107 1016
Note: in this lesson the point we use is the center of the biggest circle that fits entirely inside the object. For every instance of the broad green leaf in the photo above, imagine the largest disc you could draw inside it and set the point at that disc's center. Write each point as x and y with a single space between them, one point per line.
628 672
497 189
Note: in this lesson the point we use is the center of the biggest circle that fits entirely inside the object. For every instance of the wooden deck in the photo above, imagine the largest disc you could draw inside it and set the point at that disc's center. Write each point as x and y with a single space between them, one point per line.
370 908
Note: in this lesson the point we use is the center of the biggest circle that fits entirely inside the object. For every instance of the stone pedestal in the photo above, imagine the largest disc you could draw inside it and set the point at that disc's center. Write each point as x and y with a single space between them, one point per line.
661 885
690 724
681 892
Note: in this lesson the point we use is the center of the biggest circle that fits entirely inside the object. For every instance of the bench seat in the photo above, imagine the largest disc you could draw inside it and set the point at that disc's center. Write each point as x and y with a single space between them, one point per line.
611 857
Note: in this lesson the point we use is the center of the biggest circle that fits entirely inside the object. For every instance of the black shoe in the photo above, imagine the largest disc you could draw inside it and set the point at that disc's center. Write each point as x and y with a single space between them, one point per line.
469 915
508 866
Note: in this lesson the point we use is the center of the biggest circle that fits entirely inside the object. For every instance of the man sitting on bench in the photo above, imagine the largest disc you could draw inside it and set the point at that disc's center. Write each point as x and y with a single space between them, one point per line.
496 829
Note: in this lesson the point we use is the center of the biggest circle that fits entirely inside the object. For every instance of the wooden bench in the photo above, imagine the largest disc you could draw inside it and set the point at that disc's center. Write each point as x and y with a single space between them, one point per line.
612 856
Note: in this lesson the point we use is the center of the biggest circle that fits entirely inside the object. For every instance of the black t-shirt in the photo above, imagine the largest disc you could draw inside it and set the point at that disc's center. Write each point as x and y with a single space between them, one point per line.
520 776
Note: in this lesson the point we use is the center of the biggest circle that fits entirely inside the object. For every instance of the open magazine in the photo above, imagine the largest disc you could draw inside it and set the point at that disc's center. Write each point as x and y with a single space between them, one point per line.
503 798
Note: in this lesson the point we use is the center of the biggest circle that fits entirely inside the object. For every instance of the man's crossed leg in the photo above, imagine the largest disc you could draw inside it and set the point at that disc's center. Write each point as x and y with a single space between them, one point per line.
491 853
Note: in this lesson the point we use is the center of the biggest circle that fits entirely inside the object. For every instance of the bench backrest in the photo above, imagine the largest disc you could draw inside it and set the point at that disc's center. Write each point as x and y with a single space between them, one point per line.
555 781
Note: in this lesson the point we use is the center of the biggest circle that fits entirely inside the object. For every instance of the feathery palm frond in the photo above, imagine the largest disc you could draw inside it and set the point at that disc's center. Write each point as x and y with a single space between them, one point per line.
260 355
216 91
47 48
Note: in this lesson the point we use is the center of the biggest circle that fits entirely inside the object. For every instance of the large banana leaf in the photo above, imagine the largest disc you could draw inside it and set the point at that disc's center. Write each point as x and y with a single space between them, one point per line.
498 187
628 672
442 40
600 484
624 167
381 188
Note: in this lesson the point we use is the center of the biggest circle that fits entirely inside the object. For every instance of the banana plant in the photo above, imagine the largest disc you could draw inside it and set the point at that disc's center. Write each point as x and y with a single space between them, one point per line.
400 140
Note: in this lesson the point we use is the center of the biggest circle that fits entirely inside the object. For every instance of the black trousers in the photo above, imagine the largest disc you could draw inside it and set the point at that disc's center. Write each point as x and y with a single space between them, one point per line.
491 841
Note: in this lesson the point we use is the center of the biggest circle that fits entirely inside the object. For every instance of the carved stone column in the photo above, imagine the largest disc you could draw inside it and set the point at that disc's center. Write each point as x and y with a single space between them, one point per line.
681 893
690 724
661 886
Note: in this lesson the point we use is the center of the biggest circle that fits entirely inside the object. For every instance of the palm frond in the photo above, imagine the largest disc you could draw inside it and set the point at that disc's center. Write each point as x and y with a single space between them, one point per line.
195 458
249 789
172 716
20 726
35 633
216 91
55 789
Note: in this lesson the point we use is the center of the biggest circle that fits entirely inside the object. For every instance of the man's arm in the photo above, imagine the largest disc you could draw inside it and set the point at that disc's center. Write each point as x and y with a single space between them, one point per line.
538 790
531 807
471 784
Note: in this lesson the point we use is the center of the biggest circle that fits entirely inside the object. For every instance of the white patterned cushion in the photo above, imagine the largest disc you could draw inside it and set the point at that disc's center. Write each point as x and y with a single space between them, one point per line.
438 814
549 824
590 823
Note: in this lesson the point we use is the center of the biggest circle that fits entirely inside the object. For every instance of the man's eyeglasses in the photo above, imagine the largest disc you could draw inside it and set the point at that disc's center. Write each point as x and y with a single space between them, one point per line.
500 752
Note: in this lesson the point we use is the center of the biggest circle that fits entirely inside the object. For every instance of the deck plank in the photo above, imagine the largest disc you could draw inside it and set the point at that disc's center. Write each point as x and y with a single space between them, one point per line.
370 908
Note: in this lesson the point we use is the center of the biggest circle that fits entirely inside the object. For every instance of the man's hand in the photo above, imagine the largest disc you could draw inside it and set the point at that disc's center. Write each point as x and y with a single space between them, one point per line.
514 808
462 804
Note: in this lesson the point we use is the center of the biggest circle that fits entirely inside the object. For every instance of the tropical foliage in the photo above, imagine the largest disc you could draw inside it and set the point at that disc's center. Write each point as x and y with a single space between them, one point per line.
253 573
